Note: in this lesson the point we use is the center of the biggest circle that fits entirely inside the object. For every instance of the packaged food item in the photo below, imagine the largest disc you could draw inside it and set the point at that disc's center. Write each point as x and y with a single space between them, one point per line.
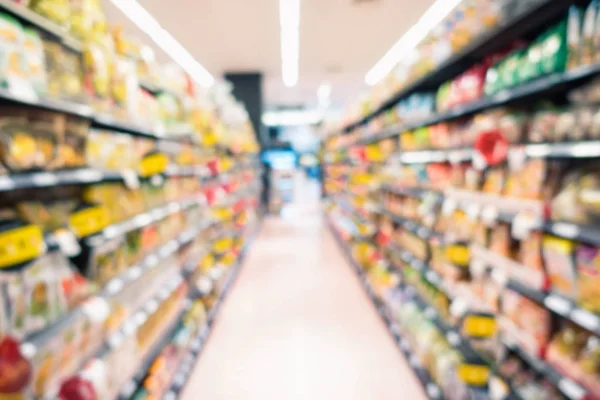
97 78
87 18
574 36
566 125
530 251
588 33
15 369
14 305
12 39
58 11
124 88
575 200
566 346
558 254
72 147
589 365
19 147
35 61
64 72
588 277
555 49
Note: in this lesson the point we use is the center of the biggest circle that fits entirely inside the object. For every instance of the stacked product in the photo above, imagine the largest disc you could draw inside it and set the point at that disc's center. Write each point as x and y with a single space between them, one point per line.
479 198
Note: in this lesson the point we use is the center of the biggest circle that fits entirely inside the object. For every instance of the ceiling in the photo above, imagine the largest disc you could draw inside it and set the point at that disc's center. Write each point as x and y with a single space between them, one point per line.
340 40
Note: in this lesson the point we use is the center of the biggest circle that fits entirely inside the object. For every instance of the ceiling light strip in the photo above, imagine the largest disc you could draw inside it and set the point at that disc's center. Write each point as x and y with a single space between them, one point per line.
163 39
289 19
407 43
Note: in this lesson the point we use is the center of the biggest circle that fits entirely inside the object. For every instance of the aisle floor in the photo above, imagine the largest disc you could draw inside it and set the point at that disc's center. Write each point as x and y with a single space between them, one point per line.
297 325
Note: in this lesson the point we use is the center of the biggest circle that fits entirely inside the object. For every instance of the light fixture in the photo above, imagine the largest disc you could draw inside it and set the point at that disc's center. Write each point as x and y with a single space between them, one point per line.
407 43
163 39
292 117
289 20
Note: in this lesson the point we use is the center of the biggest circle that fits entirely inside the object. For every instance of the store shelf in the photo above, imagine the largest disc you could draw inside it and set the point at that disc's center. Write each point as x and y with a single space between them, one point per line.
46 179
413 227
182 374
528 21
556 303
560 305
85 176
30 17
432 390
510 269
137 320
567 386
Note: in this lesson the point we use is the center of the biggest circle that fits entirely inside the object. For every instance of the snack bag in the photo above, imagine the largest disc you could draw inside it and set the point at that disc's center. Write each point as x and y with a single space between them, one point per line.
58 11
588 277
559 262
35 61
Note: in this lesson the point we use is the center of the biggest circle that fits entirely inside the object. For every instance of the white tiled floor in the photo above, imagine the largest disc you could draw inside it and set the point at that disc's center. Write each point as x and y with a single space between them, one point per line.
297 325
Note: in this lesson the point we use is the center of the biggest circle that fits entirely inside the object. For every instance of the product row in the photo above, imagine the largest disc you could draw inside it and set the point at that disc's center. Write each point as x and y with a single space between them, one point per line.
110 78
144 278
568 45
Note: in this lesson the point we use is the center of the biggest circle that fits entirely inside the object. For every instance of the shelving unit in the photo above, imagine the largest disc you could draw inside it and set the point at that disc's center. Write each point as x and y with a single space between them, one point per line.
429 387
442 242
127 286
530 20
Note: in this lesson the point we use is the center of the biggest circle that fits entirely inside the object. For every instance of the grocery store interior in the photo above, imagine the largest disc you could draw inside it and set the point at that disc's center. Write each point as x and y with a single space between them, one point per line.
299 199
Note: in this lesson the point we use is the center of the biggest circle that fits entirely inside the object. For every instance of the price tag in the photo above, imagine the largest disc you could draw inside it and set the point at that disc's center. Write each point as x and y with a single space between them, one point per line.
565 230
516 158
433 278
449 206
586 319
414 361
433 391
453 338
7 183
157 180
478 267
489 215
44 179
114 286
522 225
22 89
89 220
88 175
558 304
134 273
430 313
67 242
479 326
21 245
473 211
571 389
131 179
153 164
459 307
29 350
474 374
96 309
479 162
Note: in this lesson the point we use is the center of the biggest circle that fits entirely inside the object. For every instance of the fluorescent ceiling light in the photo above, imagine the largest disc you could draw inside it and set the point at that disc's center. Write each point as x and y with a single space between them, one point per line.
291 118
163 39
407 43
289 20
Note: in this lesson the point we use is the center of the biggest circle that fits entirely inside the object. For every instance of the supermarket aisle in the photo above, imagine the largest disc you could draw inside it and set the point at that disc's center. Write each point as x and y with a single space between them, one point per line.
297 325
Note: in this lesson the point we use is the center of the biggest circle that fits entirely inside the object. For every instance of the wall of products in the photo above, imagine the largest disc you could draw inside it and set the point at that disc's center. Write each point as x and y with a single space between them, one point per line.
127 197
466 199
